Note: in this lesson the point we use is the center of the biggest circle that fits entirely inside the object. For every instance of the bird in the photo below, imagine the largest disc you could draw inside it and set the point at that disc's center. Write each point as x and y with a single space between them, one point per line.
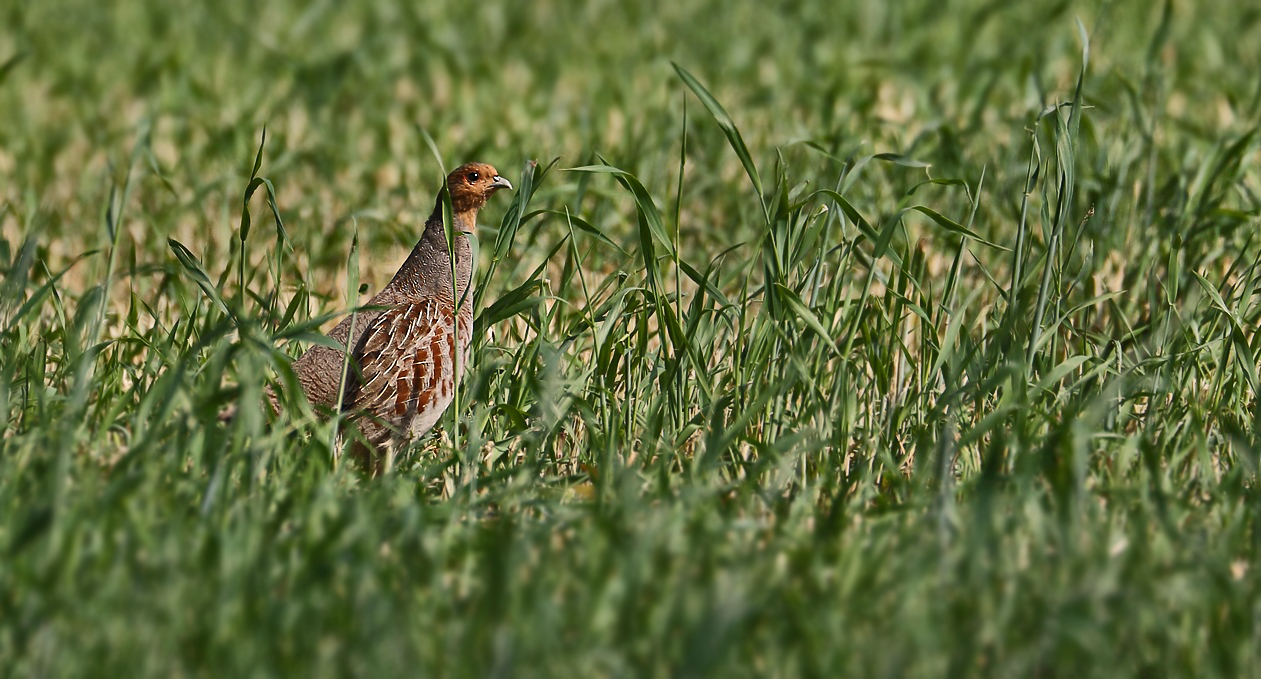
403 369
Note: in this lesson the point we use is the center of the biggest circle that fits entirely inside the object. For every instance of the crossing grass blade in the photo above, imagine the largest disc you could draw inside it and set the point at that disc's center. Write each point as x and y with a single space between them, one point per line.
728 128
967 388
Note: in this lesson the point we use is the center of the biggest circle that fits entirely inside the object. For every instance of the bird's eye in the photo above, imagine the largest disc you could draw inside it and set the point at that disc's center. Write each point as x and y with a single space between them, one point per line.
473 177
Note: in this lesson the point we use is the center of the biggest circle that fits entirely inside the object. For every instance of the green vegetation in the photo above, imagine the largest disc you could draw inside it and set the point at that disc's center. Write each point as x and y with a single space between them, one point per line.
937 356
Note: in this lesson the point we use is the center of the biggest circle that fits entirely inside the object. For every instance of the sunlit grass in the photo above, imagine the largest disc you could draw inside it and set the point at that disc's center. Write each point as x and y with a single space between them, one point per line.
836 339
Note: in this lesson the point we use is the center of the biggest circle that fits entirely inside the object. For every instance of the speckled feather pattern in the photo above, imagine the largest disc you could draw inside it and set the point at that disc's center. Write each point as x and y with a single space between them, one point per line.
407 369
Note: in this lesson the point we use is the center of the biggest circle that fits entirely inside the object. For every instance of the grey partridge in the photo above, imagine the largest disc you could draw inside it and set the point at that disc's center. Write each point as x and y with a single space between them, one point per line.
402 374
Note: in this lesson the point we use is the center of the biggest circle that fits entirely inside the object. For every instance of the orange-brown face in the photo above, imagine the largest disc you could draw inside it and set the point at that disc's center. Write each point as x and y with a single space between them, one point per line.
472 184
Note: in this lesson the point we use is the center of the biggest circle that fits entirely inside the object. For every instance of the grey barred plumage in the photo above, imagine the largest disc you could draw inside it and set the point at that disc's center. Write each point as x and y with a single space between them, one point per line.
407 370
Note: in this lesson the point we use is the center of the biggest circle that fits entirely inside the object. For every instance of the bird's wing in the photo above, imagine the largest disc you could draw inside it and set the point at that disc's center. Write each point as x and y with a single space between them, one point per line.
405 359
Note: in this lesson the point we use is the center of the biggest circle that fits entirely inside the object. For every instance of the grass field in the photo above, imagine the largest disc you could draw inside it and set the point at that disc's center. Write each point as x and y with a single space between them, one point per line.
825 339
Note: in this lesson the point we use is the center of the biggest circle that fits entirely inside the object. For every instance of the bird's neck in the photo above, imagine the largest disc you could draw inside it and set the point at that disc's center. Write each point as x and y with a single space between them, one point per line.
427 271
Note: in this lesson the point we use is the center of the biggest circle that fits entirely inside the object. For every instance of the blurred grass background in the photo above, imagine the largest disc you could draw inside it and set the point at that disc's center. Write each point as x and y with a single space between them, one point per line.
955 375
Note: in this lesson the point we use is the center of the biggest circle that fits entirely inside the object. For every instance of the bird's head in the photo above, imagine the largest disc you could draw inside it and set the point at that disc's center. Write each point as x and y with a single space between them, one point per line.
472 184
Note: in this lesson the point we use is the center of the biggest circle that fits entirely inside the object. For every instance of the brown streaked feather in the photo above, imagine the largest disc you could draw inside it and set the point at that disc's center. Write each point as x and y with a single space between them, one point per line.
407 371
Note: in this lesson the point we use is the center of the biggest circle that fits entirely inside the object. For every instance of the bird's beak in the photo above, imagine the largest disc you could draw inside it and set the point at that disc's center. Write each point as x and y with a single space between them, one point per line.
501 183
